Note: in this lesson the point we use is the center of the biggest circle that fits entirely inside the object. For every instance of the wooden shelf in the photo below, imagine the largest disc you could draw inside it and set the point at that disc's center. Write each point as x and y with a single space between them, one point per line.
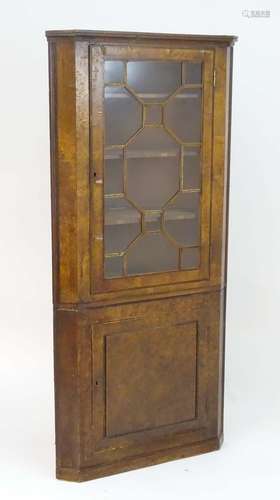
156 96
151 154
143 154
174 215
142 95
147 153
120 216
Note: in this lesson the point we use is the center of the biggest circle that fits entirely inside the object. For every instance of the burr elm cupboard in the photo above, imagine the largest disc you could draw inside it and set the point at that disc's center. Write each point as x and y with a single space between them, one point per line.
140 129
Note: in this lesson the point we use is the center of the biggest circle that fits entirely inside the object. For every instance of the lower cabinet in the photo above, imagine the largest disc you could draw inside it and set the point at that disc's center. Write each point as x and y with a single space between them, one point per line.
137 384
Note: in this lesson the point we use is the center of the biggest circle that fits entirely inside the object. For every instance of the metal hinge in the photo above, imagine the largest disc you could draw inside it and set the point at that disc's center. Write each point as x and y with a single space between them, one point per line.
214 79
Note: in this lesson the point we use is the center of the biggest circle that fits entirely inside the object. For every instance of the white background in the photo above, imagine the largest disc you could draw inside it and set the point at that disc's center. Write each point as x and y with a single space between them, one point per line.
248 464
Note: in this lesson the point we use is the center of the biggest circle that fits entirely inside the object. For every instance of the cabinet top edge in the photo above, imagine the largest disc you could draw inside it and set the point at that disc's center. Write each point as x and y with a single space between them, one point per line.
97 34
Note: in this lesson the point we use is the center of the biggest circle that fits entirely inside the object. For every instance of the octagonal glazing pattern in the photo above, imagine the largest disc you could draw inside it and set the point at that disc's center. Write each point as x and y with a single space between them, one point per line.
181 219
122 224
152 174
152 253
182 115
123 115
153 81
152 171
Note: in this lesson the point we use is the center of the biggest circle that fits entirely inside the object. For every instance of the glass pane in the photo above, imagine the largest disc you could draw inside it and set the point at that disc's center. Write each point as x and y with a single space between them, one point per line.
122 224
152 168
183 115
114 266
152 221
192 72
123 115
181 219
113 171
192 170
151 253
190 258
153 114
114 72
153 81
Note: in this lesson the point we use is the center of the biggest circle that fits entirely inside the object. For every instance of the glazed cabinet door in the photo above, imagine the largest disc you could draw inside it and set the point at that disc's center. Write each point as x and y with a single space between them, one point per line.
151 144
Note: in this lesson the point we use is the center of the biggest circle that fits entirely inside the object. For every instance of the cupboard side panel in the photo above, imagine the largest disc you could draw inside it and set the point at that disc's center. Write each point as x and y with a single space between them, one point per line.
220 165
83 168
67 393
52 128
63 170
219 223
224 294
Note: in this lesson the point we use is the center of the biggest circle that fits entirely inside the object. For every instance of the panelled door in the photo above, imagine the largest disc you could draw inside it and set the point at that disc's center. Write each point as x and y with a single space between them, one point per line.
151 135
153 377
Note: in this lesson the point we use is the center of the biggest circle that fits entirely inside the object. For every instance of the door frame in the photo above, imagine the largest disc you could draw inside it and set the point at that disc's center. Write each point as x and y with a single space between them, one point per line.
98 54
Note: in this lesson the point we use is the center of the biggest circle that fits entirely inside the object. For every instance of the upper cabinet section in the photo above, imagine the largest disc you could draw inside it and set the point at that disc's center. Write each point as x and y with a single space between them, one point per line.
139 163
